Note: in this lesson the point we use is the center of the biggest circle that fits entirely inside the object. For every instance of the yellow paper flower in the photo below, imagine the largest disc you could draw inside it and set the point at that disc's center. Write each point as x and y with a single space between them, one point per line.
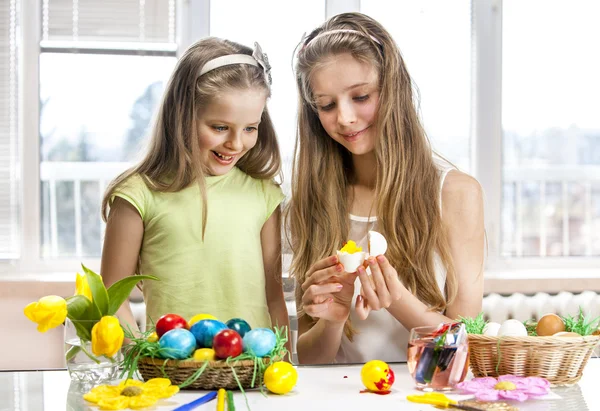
107 336
48 312
131 394
82 287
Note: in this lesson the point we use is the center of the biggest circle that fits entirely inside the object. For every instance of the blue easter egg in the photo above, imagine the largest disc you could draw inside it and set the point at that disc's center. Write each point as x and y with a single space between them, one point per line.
177 344
205 331
239 325
259 341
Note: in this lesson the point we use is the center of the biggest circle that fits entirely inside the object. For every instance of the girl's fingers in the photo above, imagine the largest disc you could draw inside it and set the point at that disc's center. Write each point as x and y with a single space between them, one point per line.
362 308
321 264
316 294
390 276
314 310
380 283
323 275
368 291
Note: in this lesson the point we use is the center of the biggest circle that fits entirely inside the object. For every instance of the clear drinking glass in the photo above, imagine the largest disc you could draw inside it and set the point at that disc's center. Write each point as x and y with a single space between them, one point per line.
438 356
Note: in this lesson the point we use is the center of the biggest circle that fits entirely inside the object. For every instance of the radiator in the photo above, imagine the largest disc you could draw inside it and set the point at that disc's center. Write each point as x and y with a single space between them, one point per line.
523 307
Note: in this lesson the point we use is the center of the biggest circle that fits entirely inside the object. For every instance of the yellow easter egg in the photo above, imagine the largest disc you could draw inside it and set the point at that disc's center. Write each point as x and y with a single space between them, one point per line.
377 376
204 354
153 337
280 377
199 317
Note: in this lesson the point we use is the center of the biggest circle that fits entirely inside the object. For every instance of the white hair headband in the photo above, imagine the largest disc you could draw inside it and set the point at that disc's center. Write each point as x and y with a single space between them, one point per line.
328 32
257 59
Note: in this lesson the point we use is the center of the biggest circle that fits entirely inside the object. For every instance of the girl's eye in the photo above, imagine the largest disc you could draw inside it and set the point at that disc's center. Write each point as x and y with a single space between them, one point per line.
220 128
250 129
327 107
362 98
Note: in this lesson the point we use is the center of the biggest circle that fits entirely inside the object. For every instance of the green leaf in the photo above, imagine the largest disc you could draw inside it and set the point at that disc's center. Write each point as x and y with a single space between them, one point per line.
84 329
73 351
99 294
77 306
119 291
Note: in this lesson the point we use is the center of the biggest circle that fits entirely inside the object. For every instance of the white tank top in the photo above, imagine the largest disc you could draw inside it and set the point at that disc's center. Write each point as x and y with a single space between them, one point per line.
381 336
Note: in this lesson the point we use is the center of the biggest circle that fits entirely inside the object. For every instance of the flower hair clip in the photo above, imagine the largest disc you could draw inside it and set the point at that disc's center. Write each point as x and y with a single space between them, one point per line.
263 61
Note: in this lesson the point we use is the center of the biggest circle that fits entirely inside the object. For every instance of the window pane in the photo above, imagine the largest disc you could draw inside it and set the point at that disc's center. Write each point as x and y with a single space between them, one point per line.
95 113
440 65
278 38
551 125
9 149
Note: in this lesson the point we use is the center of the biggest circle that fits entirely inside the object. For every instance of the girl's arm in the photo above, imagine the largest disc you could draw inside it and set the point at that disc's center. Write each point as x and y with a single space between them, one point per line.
270 237
462 216
318 343
122 243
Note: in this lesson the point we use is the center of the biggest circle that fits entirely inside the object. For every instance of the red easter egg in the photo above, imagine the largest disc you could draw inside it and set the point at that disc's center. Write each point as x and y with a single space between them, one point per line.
227 343
169 322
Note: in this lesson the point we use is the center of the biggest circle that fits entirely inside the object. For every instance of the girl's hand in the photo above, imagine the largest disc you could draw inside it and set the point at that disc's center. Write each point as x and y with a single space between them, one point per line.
380 290
328 290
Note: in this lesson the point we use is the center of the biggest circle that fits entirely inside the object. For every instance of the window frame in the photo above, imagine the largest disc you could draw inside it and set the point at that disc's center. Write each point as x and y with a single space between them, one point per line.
193 20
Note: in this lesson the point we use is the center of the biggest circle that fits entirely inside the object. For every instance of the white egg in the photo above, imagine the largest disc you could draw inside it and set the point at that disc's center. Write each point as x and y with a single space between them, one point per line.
512 328
491 329
351 261
377 243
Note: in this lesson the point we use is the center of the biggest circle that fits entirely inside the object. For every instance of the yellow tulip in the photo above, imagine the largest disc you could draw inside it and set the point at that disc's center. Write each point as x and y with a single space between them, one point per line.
48 312
107 336
82 287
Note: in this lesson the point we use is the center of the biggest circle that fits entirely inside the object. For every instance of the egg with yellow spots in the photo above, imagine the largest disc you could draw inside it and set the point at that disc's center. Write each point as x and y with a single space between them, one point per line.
377 376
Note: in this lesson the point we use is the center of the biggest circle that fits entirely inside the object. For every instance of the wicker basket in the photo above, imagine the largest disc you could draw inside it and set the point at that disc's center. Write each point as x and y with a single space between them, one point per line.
558 359
218 374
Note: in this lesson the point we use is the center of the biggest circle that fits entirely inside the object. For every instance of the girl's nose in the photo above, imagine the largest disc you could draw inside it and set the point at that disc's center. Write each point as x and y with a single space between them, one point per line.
234 142
346 114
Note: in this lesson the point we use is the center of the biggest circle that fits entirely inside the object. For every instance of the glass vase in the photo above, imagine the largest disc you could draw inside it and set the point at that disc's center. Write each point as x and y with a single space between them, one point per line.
83 365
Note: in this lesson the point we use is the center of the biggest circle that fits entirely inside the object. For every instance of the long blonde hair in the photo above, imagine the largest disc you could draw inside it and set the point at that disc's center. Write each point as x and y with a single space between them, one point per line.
173 162
407 191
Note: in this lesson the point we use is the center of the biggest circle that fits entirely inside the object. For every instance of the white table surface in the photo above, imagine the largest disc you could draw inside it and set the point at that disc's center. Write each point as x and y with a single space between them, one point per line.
319 388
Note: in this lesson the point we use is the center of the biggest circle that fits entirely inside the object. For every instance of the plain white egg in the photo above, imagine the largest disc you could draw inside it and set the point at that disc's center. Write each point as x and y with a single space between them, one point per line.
377 243
512 328
351 261
491 329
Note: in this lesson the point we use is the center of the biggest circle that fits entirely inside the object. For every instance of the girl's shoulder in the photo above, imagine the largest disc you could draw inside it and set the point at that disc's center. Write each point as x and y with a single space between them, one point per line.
462 200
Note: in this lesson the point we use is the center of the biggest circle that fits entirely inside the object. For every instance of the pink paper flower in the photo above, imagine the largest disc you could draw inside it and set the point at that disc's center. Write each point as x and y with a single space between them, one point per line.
508 387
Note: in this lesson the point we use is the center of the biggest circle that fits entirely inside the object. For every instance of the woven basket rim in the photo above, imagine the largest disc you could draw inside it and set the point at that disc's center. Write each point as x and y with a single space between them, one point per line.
537 339
199 364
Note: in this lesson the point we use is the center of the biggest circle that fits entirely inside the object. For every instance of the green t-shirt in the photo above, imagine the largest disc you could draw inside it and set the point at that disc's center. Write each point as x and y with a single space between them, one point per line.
222 275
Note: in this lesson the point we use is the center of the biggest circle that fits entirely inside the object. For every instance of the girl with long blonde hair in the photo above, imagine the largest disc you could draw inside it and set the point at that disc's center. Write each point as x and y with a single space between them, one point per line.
363 162
201 210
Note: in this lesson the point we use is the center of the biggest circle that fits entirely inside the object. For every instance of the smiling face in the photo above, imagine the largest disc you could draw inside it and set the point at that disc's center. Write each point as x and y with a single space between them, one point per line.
228 128
346 94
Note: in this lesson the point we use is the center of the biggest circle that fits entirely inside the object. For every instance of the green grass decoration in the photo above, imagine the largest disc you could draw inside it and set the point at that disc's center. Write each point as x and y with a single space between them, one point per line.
580 323
473 325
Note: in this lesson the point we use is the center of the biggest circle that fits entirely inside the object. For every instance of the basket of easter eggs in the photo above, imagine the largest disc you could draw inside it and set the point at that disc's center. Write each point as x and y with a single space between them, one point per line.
554 347
205 353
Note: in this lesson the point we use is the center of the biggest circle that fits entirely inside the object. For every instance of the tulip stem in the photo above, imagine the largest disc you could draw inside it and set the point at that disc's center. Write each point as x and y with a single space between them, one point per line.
92 357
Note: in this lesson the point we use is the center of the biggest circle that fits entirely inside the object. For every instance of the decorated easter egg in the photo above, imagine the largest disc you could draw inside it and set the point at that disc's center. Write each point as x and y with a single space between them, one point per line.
280 377
377 376
205 331
199 317
239 325
227 343
153 337
259 341
512 328
205 354
549 324
177 344
377 243
169 322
